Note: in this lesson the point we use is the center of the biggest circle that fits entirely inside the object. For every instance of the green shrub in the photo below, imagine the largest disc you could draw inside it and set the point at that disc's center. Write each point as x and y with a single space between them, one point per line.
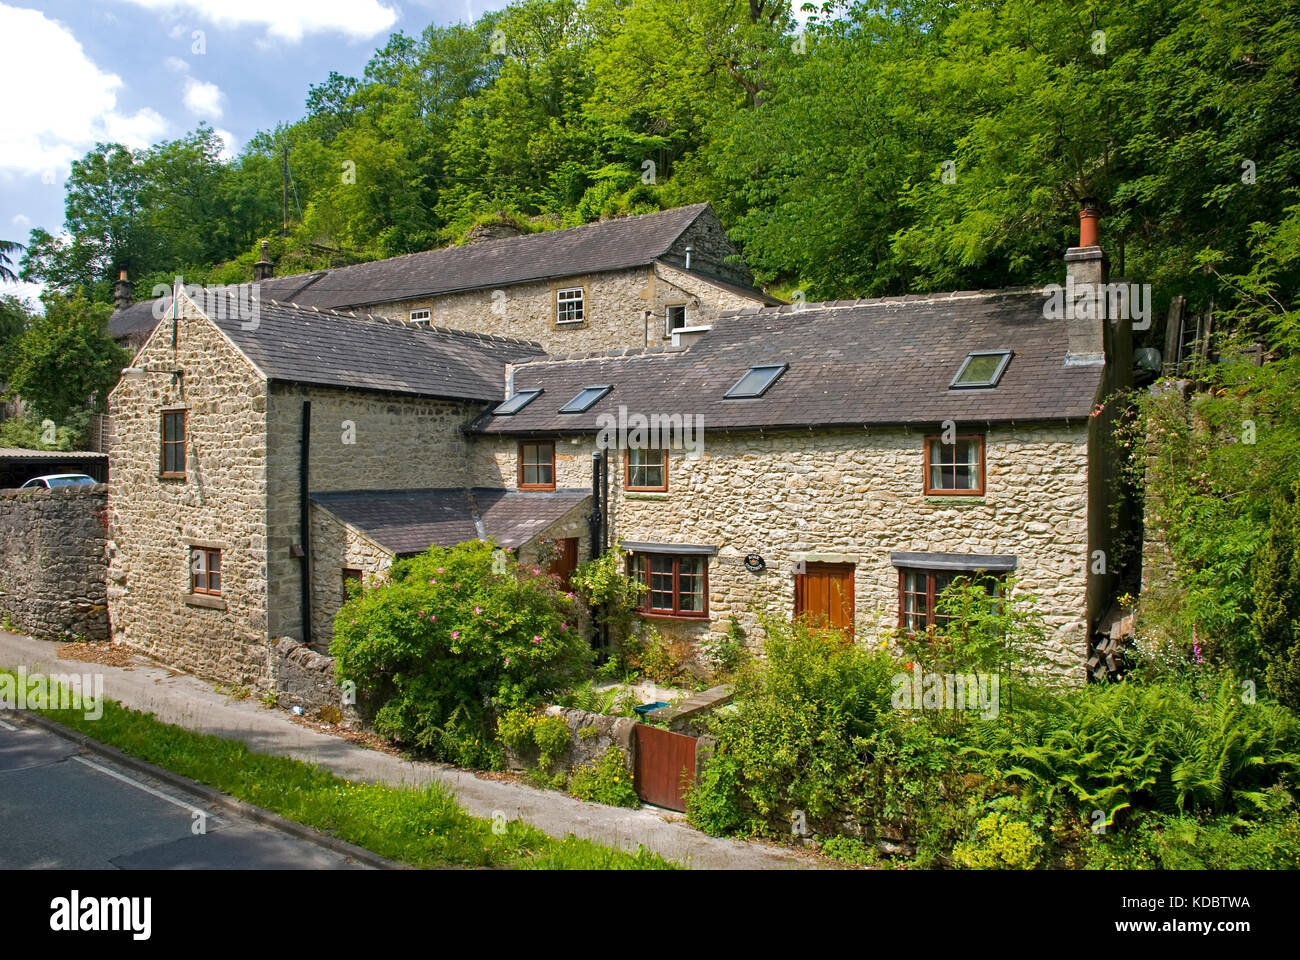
613 596
451 640
1001 842
551 734
848 850
1160 842
605 780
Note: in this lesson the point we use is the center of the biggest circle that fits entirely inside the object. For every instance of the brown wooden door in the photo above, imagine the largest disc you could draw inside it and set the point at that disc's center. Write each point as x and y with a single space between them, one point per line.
664 766
824 594
566 560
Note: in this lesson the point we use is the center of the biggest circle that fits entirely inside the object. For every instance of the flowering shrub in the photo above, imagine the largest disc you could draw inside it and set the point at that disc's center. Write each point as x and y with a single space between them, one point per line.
450 641
605 780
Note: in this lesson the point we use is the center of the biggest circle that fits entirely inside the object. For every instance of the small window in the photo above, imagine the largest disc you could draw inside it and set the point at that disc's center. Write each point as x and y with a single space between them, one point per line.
585 399
981 369
756 382
205 571
421 318
676 586
516 403
955 468
173 443
674 318
569 306
919 593
351 581
537 466
647 469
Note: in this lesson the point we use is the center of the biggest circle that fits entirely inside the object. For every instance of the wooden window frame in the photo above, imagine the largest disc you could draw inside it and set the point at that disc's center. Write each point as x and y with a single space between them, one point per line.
931 593
627 472
206 589
581 301
942 492
163 443
519 462
676 613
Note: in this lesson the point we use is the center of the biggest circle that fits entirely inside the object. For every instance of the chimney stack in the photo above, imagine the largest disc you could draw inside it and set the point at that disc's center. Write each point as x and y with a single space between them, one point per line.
123 292
263 270
1085 292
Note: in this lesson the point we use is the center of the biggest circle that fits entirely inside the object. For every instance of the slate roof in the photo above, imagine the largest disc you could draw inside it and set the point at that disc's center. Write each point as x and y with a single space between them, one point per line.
292 344
871 362
410 521
592 248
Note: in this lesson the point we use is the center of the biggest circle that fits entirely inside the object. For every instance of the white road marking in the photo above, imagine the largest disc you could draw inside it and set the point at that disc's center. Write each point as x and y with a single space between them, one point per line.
147 789
8 726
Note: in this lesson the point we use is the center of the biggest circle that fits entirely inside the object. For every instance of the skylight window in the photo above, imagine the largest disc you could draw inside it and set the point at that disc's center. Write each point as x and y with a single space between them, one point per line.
516 403
981 368
585 399
756 382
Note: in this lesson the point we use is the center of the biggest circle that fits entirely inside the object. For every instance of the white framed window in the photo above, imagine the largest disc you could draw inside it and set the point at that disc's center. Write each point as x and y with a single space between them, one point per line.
421 317
674 318
569 305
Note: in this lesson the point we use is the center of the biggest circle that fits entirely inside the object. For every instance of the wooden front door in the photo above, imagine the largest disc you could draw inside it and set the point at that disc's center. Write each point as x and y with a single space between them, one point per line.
566 560
823 594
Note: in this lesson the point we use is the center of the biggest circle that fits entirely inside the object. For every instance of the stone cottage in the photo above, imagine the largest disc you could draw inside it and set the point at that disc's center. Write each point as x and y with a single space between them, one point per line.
842 461
619 284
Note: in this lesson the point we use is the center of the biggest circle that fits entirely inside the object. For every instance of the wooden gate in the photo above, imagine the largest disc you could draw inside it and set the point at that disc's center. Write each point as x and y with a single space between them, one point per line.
665 766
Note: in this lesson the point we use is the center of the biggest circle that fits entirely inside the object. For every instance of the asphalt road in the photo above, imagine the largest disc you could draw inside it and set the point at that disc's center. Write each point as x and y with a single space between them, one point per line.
64 808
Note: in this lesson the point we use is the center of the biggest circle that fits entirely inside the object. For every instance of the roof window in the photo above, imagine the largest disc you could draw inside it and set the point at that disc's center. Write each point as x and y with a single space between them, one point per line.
756 382
981 368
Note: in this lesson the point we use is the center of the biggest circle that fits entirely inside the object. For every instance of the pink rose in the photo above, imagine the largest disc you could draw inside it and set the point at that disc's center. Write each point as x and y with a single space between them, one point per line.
478 609
455 634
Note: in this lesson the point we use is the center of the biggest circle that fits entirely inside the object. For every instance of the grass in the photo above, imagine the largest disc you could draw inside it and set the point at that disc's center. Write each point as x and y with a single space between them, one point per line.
423 827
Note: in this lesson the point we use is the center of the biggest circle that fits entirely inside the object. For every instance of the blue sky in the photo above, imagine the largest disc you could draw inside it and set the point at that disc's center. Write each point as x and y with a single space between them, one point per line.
80 71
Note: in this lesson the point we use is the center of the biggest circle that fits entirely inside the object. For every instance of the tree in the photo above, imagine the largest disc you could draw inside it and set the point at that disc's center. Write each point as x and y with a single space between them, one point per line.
8 250
1277 602
14 317
65 361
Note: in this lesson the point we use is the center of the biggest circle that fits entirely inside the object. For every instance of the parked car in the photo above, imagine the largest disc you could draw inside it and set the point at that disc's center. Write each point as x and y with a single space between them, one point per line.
52 480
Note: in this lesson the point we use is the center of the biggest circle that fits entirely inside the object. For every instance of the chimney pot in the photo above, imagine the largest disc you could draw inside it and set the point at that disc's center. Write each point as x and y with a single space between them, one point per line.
1088 224
1085 286
263 270
123 291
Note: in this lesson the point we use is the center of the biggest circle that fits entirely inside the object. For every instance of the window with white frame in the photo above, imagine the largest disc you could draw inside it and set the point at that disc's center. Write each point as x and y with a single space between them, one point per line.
569 305
674 318
421 317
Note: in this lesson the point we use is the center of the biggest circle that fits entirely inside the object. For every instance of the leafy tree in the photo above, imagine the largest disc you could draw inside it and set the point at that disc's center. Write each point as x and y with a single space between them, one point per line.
65 361
14 317
8 250
1277 601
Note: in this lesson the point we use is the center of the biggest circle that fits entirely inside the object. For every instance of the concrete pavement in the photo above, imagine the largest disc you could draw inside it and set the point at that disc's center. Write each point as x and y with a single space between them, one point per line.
188 702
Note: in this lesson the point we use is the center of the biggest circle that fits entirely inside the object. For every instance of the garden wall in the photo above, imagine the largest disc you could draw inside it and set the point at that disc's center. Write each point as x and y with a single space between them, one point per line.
602 733
52 561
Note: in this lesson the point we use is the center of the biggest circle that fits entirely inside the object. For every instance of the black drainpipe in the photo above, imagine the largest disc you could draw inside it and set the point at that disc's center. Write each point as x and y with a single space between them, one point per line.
598 526
304 519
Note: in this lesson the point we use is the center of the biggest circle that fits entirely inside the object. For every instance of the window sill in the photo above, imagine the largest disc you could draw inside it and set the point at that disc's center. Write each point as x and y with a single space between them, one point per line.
698 617
956 500
199 600
570 323
533 488
172 476
653 495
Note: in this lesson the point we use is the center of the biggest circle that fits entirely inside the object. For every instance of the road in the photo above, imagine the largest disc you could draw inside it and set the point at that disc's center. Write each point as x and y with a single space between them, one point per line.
64 808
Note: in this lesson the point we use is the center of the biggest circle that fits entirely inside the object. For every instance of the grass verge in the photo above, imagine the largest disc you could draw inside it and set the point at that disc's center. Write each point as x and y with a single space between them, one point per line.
423 827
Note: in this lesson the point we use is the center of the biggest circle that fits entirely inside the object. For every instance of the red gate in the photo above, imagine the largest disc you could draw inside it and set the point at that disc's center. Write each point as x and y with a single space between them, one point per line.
664 767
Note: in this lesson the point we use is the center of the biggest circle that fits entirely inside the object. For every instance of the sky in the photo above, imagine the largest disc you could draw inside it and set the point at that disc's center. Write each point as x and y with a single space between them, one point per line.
137 72
140 71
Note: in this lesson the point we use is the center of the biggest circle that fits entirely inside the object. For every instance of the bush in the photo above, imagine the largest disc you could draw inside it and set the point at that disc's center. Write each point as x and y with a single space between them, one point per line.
605 780
1001 843
848 850
1161 842
451 641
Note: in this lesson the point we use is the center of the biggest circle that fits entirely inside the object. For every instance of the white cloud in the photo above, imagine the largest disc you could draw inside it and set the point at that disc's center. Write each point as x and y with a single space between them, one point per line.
228 143
68 105
286 19
21 221
203 99
176 65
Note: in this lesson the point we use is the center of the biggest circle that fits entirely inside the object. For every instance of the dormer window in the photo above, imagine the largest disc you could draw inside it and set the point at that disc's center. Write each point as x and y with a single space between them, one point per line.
570 306
756 382
585 400
421 318
674 318
516 403
982 368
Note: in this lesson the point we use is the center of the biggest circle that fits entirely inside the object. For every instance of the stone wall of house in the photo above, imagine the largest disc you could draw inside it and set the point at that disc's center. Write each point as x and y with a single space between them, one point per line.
52 561
337 546
711 250
221 502
359 441
601 733
615 302
854 496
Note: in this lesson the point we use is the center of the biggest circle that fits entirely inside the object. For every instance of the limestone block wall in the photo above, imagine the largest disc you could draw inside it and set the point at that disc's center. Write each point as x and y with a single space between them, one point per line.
711 250
615 302
359 441
220 503
856 495
337 546
52 562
